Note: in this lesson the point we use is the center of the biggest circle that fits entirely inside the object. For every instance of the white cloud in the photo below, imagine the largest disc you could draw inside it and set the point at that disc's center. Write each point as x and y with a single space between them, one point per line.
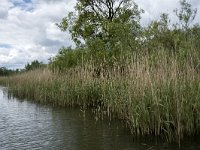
4 7
28 30
153 9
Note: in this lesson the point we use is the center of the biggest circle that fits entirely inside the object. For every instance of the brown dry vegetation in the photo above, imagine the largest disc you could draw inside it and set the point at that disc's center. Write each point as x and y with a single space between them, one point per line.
153 94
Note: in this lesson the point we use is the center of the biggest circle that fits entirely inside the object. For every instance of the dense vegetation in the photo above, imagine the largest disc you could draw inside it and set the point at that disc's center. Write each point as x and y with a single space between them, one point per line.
6 72
34 65
108 32
148 76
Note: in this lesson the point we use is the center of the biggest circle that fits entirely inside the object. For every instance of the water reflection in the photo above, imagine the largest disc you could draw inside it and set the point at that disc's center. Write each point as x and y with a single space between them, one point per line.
24 125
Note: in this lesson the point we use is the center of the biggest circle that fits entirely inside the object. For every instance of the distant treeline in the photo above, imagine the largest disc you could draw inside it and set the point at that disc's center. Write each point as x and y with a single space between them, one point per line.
34 65
5 72
29 66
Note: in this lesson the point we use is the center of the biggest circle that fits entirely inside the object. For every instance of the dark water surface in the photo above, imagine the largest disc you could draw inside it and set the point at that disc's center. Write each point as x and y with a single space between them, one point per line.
27 126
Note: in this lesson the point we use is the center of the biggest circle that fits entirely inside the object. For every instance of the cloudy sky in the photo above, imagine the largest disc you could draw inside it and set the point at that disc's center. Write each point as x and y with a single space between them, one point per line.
28 31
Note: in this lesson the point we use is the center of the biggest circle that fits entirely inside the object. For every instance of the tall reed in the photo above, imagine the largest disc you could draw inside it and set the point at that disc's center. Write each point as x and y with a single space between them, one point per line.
155 94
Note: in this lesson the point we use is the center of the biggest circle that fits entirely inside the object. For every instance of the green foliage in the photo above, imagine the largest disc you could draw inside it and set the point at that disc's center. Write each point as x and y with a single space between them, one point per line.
195 36
6 72
100 19
67 58
186 14
162 34
172 37
108 32
34 65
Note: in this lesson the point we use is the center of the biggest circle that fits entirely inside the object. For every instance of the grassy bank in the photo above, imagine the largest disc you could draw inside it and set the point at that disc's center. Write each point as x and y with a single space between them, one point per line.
154 94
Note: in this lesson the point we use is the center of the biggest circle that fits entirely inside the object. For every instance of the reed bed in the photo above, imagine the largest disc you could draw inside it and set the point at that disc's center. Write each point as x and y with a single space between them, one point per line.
154 94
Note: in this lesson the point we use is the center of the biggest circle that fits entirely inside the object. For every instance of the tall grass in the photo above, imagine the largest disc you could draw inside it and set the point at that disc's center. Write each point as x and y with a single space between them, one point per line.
155 94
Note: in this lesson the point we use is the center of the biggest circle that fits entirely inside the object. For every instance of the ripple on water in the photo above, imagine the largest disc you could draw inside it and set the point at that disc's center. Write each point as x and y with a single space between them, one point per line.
24 126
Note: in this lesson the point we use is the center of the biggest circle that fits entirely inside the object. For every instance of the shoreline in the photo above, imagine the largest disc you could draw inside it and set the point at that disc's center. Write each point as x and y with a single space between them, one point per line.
150 105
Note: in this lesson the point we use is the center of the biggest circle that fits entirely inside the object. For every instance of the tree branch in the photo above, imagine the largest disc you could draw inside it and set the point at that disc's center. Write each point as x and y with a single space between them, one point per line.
117 9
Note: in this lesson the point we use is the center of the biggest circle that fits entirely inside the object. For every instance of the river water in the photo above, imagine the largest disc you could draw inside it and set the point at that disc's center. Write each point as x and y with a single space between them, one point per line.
28 126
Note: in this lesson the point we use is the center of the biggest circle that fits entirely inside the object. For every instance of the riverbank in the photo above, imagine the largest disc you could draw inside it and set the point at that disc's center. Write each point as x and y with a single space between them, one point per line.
160 98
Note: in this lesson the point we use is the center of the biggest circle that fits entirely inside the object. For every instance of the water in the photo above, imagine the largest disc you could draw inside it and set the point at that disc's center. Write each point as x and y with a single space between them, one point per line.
28 126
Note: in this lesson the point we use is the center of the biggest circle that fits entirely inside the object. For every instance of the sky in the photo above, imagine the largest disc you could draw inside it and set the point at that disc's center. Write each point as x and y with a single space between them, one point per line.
28 31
